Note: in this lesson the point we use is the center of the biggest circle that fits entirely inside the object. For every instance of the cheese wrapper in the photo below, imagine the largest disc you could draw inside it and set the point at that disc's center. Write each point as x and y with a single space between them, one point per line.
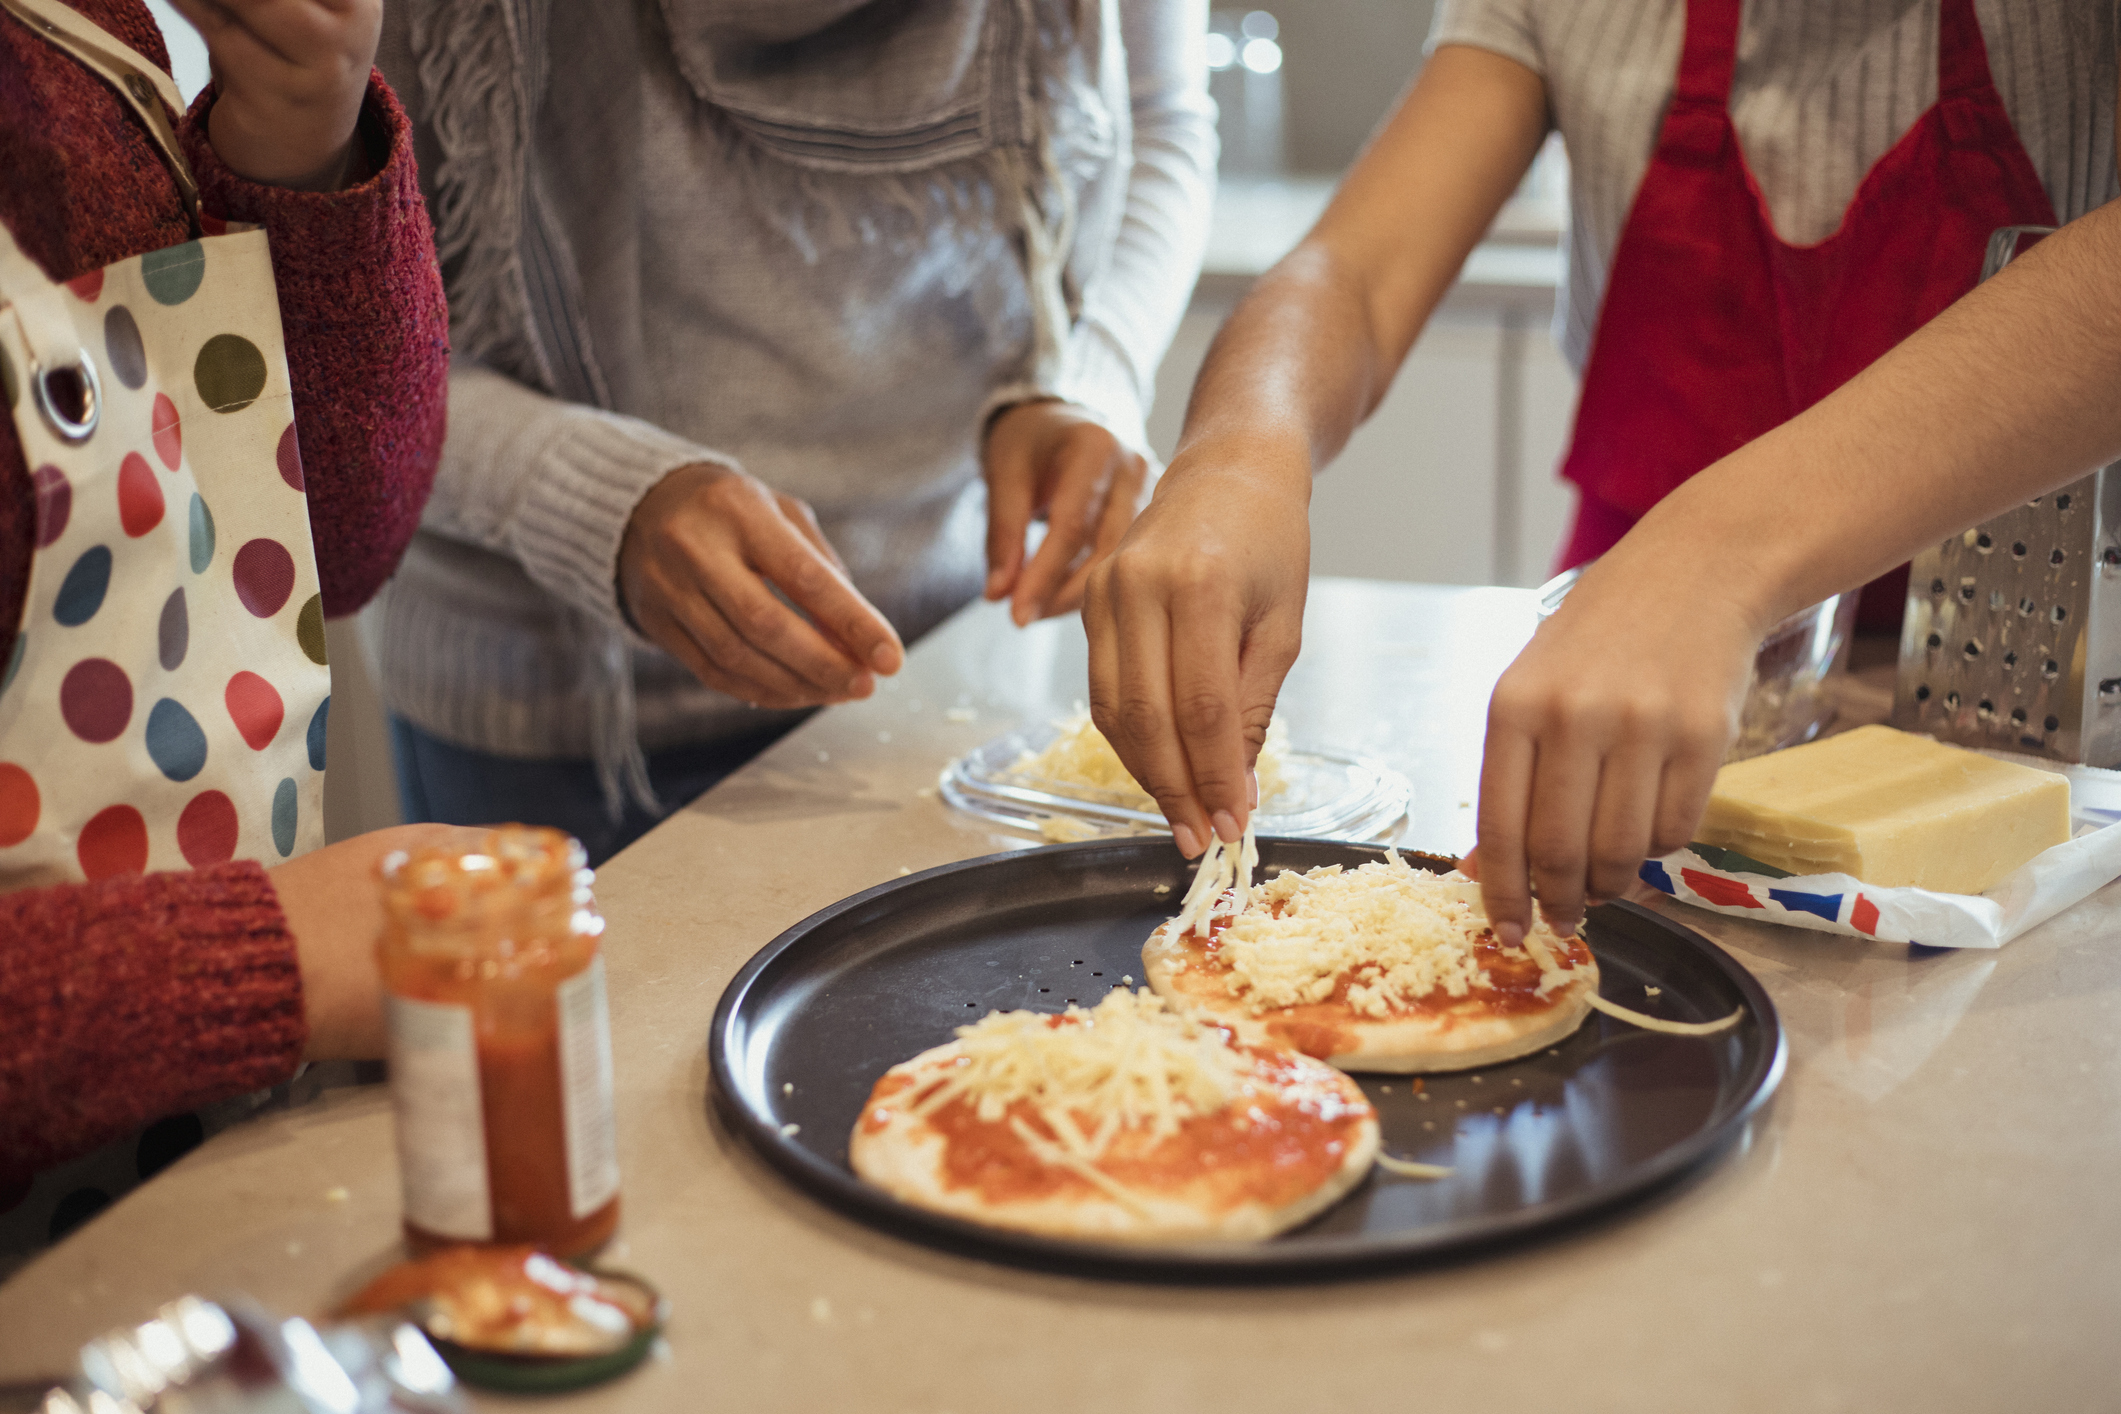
2051 881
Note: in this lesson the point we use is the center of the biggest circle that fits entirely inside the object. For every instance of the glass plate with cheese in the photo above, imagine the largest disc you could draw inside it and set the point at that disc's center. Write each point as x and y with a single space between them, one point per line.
1062 781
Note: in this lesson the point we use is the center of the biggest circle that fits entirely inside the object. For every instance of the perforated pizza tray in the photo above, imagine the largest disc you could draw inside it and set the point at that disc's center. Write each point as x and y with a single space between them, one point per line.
1613 1112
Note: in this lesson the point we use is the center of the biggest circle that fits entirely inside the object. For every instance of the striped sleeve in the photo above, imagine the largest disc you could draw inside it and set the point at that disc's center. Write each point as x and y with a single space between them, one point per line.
1505 27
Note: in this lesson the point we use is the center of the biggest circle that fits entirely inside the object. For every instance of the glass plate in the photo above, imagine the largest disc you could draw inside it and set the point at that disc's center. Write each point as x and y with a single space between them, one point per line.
1330 795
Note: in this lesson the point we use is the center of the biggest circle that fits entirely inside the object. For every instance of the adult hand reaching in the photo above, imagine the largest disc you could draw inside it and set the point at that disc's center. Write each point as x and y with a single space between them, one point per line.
699 567
1193 623
289 77
1054 459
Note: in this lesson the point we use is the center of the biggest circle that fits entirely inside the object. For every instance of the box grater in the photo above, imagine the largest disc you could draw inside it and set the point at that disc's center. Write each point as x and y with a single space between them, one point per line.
2012 636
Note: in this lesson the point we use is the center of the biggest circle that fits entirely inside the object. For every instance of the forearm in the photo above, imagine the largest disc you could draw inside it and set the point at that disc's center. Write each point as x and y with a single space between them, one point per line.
1291 374
2011 392
1312 350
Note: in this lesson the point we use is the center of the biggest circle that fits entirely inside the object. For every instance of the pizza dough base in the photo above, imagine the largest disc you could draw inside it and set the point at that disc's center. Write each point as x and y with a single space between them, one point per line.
1425 1043
905 1159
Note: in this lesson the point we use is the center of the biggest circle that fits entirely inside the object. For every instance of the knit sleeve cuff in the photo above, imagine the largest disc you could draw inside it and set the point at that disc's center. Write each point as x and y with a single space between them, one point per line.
137 997
572 520
382 130
1095 373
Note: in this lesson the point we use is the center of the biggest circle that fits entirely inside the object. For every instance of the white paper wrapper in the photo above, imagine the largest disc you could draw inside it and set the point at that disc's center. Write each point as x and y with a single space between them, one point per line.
1839 903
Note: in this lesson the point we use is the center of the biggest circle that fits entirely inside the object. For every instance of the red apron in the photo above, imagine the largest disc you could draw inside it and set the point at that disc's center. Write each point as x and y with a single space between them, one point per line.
1714 330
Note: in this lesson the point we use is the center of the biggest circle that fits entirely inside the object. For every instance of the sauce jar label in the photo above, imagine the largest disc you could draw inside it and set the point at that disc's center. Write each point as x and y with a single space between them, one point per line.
434 1087
585 1089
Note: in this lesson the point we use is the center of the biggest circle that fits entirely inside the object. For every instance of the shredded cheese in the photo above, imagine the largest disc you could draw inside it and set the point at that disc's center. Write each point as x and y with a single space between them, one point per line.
1223 870
1407 1168
1066 829
1081 757
1669 1028
1394 932
1127 1063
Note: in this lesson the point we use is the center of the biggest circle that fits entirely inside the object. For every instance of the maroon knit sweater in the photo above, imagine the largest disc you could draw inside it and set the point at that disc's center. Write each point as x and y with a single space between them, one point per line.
136 997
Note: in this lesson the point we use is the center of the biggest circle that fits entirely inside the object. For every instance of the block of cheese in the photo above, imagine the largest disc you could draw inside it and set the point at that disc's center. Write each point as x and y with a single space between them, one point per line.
1890 809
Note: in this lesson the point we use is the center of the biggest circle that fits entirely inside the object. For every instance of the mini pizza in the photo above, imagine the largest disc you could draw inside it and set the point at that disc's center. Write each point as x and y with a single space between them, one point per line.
1125 1123
1382 967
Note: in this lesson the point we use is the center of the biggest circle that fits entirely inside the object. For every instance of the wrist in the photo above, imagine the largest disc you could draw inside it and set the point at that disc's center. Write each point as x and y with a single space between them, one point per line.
304 151
999 411
1256 460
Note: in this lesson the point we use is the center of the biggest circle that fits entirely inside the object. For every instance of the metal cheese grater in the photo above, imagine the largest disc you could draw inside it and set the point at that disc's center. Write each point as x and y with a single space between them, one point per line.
2012 637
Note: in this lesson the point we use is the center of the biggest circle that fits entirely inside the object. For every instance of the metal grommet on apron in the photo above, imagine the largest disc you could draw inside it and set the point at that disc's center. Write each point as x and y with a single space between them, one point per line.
76 422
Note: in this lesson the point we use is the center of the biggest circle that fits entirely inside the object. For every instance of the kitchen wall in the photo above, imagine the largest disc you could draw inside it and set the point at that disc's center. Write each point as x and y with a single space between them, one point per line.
1343 62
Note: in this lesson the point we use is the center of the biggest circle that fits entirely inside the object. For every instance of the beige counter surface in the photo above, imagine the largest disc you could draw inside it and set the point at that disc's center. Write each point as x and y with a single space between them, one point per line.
1928 1216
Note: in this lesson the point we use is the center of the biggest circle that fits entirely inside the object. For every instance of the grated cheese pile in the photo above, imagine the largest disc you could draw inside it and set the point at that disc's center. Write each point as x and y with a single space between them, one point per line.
1398 933
1128 1062
1081 757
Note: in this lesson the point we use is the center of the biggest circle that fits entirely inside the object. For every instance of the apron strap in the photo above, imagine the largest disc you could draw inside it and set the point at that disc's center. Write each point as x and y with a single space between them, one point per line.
1962 54
148 91
1711 53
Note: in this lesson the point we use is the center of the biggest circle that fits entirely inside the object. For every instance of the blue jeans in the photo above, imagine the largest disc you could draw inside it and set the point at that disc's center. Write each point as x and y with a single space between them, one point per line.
455 785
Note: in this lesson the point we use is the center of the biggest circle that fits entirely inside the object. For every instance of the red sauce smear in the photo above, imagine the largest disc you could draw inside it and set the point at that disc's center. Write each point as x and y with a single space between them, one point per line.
1269 1148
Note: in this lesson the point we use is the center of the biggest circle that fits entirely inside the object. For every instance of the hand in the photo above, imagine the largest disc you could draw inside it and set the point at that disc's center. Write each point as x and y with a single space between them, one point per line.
1193 623
1055 459
1605 735
334 908
701 559
289 79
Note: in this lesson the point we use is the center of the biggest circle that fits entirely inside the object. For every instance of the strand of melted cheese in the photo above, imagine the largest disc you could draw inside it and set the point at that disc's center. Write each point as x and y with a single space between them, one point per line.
1128 1062
1054 1156
1407 1168
1658 1023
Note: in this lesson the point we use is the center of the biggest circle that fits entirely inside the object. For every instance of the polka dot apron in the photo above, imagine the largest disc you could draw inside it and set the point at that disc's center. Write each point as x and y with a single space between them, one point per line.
165 701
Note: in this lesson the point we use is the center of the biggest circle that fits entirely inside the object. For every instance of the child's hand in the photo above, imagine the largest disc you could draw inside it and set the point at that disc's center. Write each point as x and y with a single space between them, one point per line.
290 76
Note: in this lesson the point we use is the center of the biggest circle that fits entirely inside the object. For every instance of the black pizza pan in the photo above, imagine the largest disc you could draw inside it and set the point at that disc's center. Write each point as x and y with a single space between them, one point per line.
1608 1115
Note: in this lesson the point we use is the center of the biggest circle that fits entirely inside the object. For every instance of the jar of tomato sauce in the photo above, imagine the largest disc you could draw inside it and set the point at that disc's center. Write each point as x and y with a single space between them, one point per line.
500 1044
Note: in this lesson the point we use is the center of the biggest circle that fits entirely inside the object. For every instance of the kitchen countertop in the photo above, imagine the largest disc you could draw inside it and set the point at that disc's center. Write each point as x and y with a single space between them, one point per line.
1926 1217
